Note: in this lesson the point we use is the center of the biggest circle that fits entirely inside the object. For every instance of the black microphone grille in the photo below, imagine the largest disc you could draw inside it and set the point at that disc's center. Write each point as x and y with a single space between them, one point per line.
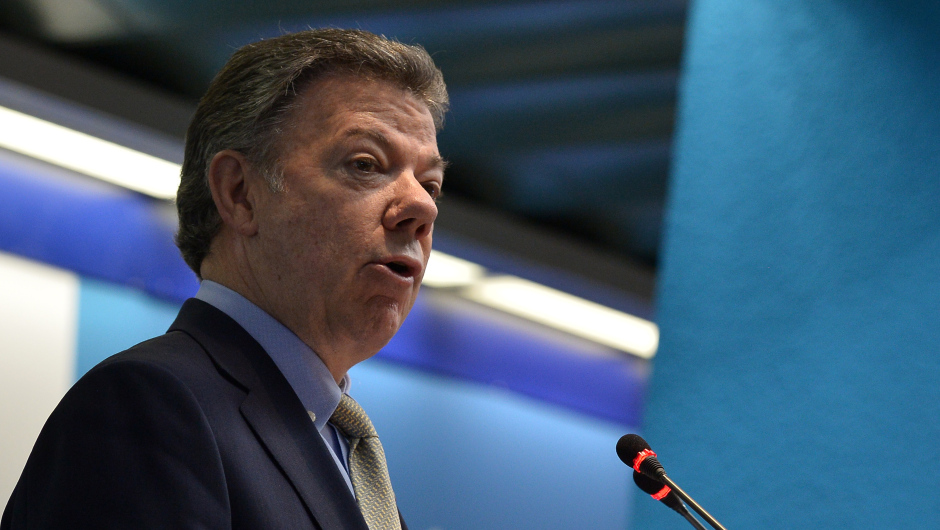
648 485
629 446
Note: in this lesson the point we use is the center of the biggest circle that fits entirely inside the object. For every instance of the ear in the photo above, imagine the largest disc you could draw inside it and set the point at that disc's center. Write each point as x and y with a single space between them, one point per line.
230 179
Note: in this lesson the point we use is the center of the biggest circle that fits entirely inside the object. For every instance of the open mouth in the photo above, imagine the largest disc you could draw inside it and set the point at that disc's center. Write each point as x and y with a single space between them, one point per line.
399 268
403 266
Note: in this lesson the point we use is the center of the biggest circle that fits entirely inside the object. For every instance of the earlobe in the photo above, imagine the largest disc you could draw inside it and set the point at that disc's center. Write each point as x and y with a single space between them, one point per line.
229 181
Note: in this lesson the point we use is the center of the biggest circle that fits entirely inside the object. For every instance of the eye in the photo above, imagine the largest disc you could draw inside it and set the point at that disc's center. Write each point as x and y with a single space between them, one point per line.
365 165
434 190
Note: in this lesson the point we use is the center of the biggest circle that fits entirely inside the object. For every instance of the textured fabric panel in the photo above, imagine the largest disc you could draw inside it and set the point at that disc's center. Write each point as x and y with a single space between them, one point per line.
799 289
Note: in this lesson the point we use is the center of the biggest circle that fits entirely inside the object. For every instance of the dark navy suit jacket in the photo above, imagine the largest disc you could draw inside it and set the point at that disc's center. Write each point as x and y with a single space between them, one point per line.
194 429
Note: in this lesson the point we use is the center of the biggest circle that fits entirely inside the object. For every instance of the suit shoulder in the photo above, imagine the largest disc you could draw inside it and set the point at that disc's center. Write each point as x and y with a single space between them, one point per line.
175 352
173 364
167 348
122 448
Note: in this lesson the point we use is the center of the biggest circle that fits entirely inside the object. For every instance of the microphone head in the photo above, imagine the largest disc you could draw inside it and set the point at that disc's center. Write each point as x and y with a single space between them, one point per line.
648 485
634 451
655 489
629 446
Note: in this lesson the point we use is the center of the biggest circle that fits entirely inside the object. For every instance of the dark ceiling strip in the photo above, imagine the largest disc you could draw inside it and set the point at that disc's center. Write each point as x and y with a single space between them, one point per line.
436 26
93 87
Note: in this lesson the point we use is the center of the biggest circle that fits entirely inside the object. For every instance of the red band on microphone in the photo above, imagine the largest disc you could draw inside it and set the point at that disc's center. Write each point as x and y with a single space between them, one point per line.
661 494
640 457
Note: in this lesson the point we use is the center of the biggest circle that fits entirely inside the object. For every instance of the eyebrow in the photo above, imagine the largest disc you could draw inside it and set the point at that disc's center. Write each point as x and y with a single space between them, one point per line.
375 136
440 162
437 161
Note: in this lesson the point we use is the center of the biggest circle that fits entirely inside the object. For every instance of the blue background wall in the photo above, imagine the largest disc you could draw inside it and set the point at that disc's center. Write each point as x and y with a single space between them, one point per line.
798 379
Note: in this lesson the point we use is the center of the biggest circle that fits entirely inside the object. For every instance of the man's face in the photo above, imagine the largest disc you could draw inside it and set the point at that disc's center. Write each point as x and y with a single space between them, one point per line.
340 252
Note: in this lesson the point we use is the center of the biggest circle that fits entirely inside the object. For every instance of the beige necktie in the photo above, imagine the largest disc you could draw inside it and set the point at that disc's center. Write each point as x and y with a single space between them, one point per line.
367 467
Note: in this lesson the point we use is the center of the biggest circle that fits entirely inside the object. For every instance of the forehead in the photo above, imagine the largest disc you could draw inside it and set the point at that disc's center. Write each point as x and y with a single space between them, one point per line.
338 103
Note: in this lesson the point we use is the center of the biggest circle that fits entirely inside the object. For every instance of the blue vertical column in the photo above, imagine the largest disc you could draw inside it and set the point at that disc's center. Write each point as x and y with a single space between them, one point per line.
798 379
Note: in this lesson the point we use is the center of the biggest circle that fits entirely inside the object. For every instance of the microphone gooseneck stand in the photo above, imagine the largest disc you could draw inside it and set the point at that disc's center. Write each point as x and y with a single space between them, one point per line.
695 506
691 519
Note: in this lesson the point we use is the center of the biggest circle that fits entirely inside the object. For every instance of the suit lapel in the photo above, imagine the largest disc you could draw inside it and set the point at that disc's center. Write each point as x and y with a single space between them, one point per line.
275 414
306 461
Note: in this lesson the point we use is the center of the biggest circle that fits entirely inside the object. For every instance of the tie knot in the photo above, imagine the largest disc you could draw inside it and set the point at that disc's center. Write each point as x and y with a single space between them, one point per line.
351 419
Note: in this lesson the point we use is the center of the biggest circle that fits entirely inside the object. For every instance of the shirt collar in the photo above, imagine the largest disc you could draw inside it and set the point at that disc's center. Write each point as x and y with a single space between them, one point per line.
302 367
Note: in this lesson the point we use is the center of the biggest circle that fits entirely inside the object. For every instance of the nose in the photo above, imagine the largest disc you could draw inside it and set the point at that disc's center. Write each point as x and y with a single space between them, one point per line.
411 210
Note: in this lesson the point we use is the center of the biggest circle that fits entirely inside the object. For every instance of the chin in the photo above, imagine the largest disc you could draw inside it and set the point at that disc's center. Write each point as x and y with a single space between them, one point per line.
383 325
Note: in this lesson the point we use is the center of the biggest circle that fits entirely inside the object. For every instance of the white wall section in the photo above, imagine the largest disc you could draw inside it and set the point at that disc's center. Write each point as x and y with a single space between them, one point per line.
38 325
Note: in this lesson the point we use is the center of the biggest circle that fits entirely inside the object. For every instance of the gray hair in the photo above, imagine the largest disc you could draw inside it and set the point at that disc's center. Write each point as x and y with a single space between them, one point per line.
248 105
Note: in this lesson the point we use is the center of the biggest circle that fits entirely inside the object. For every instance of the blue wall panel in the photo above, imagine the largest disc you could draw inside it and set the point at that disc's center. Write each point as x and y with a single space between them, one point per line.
112 318
91 228
798 372
459 339
464 456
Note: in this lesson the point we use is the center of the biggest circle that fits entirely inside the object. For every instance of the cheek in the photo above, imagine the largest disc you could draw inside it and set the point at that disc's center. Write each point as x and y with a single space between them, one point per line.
331 238
297 244
329 249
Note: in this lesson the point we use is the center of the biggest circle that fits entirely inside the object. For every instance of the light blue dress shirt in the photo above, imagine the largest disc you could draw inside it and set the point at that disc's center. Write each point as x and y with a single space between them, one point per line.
304 370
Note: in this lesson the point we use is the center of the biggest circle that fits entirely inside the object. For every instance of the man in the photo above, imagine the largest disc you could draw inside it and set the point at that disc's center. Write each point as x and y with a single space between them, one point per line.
306 207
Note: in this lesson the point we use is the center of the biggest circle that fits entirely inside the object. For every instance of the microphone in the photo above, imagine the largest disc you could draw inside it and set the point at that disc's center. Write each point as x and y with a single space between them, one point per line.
665 495
636 453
